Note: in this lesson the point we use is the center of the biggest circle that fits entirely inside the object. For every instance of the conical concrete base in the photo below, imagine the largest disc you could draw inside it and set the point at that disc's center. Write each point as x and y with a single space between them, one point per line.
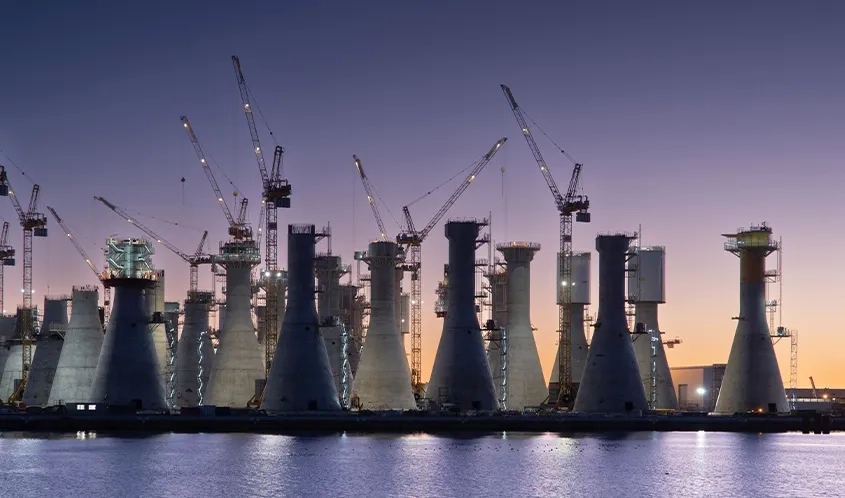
127 371
666 399
43 370
300 377
752 380
460 375
78 360
12 369
238 369
194 356
611 382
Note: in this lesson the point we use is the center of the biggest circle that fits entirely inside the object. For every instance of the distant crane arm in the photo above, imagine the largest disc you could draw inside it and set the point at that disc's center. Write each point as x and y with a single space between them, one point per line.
370 197
253 130
208 172
535 150
198 253
4 180
75 243
460 190
5 233
145 229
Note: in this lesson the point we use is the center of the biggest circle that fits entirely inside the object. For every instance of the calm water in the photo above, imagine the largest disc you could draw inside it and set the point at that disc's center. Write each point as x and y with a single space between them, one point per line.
631 465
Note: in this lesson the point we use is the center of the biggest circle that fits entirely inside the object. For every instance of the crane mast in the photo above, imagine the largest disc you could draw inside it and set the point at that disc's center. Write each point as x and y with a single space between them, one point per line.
34 224
88 261
7 258
194 260
368 188
237 229
411 242
276 194
566 206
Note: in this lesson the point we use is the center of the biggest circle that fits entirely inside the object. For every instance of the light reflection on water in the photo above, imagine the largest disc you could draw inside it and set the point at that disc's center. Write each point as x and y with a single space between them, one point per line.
512 464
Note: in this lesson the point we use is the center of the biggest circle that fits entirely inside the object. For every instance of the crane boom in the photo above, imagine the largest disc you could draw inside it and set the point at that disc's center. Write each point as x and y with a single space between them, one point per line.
237 229
7 258
566 206
75 243
370 197
461 188
411 242
253 130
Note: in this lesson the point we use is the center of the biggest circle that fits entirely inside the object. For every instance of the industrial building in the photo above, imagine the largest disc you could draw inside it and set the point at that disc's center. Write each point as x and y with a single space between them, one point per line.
646 291
611 382
525 384
383 379
697 387
752 380
460 377
81 351
127 370
301 377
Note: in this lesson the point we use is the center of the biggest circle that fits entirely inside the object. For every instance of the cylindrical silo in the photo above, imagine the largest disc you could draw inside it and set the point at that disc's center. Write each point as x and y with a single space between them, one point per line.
752 380
460 375
611 382
194 352
81 350
580 289
383 380
50 340
127 371
238 370
646 289
329 269
300 377
525 383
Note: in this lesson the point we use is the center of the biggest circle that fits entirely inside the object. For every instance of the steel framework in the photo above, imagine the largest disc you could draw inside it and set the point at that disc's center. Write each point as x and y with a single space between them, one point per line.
7 258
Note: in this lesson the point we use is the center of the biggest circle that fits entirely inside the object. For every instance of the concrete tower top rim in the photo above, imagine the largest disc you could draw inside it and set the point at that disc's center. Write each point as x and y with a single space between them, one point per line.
85 288
146 283
628 235
302 228
481 222
200 296
757 238
648 249
518 244
57 297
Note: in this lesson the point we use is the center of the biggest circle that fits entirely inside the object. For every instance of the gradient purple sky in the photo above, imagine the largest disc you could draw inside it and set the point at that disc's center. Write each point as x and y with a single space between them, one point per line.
692 119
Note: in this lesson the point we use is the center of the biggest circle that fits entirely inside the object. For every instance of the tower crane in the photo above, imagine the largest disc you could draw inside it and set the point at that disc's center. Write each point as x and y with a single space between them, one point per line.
567 204
81 251
238 229
368 188
276 194
194 260
411 242
34 224
7 258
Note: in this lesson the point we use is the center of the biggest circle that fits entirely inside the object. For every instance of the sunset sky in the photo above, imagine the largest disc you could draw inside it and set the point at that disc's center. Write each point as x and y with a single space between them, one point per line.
691 118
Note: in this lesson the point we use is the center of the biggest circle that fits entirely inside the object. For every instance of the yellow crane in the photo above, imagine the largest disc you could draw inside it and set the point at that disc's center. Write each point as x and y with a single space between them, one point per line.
34 224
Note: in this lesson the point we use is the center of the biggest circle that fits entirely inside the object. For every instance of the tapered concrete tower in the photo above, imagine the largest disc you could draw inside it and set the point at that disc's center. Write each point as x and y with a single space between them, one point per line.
525 383
460 374
384 378
580 289
81 350
611 382
127 371
11 377
646 290
164 337
300 377
496 354
330 269
194 352
238 370
50 340
752 380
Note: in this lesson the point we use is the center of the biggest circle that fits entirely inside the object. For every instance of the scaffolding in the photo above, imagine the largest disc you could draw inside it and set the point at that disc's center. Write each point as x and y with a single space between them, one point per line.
774 307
